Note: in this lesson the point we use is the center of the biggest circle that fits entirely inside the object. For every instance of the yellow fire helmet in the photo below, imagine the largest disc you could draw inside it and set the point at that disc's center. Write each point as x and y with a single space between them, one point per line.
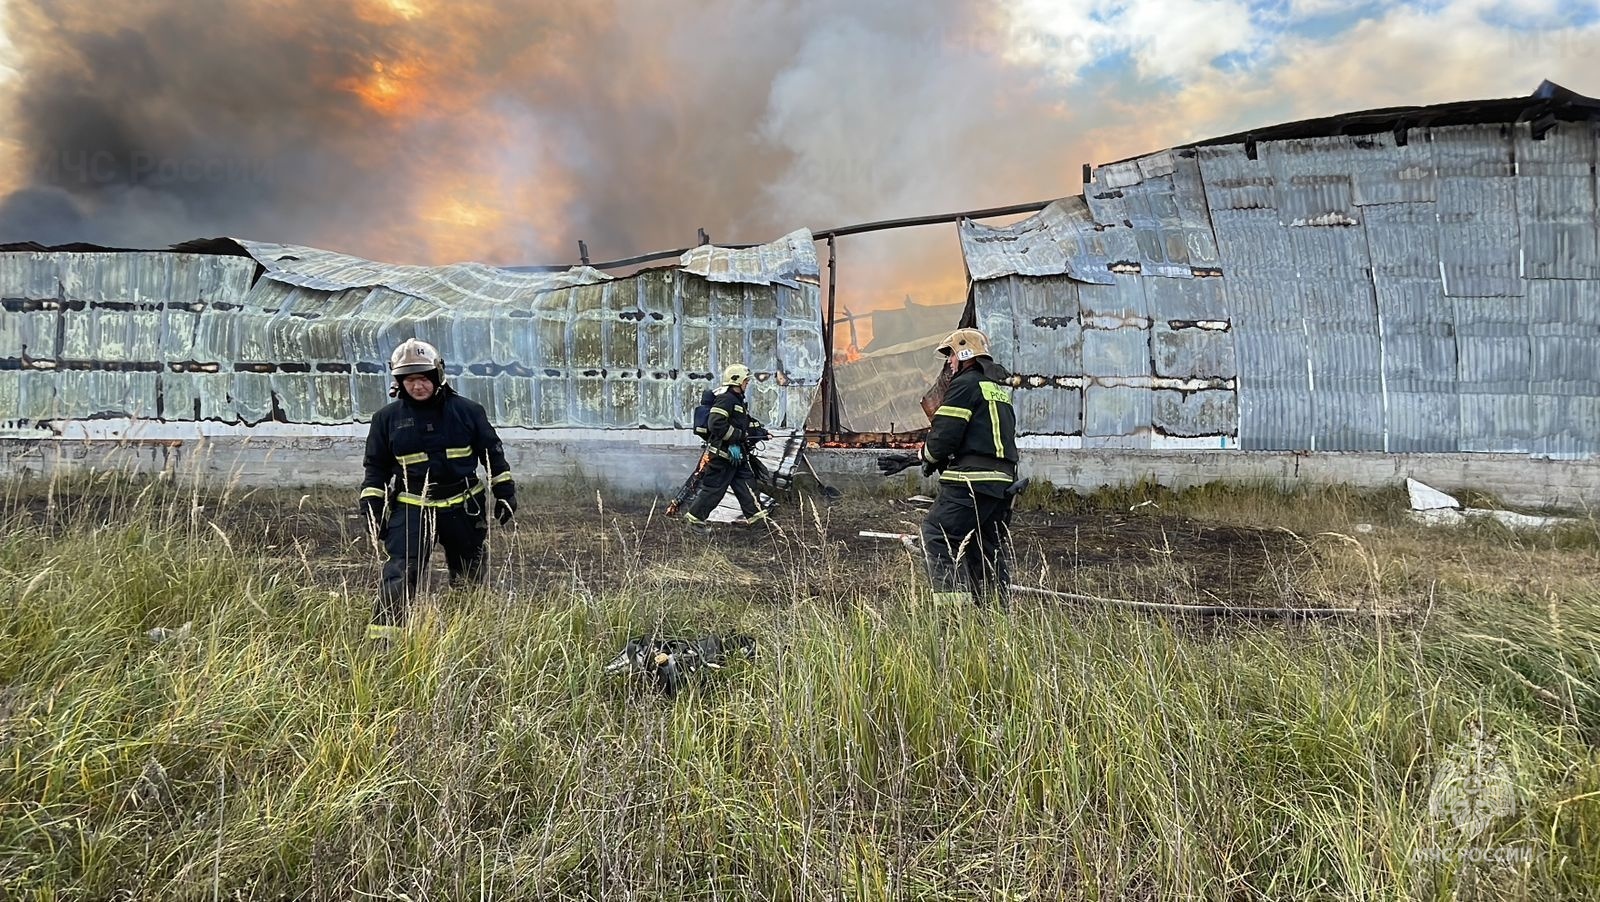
966 344
736 374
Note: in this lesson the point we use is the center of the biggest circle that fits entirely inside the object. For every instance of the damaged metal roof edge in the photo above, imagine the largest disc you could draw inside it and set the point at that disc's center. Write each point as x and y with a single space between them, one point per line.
1551 99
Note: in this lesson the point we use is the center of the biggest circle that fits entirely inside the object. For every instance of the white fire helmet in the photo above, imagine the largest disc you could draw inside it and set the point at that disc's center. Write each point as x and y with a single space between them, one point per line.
416 356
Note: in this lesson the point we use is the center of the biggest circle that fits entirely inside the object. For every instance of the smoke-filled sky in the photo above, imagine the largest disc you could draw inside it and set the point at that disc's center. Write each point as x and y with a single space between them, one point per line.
431 131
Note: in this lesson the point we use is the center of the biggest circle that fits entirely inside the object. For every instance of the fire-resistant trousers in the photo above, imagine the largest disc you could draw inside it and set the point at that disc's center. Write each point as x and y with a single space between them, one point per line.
714 482
413 529
966 537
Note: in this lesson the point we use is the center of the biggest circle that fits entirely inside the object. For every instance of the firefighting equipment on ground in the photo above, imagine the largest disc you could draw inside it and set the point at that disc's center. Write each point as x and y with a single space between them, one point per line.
672 665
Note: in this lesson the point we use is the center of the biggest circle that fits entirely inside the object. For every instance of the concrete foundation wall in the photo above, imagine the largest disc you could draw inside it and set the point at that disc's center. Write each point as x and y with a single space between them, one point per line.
627 462
658 462
1516 479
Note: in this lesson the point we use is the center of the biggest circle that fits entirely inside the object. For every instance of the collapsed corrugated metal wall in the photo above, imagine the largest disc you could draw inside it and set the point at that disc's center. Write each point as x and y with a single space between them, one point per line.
1430 289
297 335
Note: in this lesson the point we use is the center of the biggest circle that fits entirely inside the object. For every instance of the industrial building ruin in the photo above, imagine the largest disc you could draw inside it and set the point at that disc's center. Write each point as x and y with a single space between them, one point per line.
1407 291
155 356
1416 281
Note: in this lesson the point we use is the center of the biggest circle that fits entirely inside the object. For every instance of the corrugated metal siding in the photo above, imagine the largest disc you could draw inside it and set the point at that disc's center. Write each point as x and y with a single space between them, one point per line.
1440 294
182 336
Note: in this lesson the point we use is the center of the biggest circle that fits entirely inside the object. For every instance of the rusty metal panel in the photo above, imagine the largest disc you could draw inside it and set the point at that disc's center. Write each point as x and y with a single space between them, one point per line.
1479 239
1195 414
1048 410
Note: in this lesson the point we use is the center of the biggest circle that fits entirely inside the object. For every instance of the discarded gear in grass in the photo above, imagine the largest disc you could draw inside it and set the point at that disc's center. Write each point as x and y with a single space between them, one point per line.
907 539
668 663
1434 508
165 634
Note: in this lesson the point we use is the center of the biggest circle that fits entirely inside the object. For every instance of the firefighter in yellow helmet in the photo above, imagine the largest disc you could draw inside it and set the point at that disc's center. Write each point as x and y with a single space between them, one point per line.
731 434
422 483
972 445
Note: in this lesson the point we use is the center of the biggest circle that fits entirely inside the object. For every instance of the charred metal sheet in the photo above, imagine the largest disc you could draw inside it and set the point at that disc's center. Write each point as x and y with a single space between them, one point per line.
456 283
1049 332
207 344
1234 181
1054 241
1189 193
786 261
1117 416
1192 352
1312 182
1195 414
1186 299
1386 172
29 276
1049 409
1252 242
1116 352
882 389
1123 300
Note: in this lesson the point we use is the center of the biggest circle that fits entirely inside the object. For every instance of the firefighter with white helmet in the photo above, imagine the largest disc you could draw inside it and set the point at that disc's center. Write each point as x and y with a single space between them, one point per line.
972 445
730 434
422 483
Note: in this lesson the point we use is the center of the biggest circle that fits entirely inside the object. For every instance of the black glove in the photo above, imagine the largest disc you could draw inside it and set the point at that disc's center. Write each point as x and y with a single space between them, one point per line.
504 508
759 434
894 462
372 516
929 469
505 500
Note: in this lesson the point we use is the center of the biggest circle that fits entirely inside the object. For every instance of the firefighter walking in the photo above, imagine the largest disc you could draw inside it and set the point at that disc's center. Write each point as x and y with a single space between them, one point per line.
730 434
422 484
972 445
